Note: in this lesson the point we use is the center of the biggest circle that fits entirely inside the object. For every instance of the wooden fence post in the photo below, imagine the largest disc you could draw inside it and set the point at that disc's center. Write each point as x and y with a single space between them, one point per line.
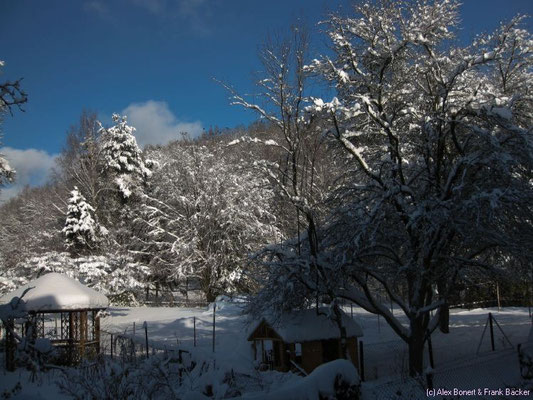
361 361
10 345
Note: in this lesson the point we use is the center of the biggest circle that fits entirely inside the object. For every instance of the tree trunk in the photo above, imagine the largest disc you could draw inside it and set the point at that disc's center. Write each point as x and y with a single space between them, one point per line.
416 348
344 341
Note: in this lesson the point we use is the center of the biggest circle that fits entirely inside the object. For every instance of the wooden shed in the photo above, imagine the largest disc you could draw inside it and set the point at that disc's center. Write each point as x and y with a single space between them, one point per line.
61 310
302 339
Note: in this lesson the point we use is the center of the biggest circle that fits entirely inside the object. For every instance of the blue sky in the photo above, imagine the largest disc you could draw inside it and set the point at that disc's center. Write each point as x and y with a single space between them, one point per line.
151 59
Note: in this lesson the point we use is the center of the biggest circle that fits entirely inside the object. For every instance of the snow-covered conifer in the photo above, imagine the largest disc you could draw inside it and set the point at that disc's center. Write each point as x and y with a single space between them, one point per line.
81 230
122 156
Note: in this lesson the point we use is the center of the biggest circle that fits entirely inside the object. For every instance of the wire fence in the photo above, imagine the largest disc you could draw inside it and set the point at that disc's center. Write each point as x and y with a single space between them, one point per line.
494 375
475 334
385 359
492 367
137 341
132 349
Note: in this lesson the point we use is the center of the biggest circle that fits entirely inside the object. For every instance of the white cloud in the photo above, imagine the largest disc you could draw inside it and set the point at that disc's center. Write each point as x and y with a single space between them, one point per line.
156 124
32 166
191 14
184 8
99 8
156 7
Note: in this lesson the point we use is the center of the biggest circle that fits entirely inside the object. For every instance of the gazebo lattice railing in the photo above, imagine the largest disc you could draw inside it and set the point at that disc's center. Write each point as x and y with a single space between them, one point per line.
75 334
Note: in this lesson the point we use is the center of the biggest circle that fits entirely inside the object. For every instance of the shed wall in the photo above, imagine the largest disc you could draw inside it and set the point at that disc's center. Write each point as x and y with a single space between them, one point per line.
311 355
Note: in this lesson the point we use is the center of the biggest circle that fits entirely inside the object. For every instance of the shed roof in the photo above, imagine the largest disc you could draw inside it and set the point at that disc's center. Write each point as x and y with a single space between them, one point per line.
307 325
55 292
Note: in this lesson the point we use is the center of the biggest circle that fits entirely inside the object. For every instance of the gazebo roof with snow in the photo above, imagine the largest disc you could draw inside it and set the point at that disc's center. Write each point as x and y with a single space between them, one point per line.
57 292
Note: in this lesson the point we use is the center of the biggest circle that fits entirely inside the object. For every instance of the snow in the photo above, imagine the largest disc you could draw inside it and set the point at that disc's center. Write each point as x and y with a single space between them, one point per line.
306 325
502 112
21 385
55 291
171 328
455 358
319 384
385 354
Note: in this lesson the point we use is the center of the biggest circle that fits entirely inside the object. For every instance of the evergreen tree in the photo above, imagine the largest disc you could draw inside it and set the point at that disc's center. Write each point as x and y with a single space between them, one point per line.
81 230
122 156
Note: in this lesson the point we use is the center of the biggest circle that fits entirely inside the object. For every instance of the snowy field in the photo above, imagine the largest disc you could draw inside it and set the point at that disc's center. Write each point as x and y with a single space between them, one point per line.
385 353
385 358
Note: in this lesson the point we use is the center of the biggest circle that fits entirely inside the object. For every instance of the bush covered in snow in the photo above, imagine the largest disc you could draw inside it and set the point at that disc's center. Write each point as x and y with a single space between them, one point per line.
334 380
156 377
167 378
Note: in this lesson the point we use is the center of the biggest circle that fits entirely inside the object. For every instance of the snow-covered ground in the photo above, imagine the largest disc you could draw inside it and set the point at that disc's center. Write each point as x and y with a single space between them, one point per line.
173 328
385 353
455 353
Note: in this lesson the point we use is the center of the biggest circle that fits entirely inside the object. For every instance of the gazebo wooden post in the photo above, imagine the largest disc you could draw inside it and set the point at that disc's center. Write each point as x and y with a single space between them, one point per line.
10 345
71 335
96 327
34 325
83 333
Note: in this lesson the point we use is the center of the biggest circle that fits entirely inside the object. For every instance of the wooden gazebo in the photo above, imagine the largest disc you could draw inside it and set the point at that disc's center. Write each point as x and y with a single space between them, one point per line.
62 310
302 340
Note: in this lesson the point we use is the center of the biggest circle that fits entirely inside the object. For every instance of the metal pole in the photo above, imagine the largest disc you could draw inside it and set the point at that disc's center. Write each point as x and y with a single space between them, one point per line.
194 329
491 332
214 308
530 295
498 295
361 361
146 337
351 310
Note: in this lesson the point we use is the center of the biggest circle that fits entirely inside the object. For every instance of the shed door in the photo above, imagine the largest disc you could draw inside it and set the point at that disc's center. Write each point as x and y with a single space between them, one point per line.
330 350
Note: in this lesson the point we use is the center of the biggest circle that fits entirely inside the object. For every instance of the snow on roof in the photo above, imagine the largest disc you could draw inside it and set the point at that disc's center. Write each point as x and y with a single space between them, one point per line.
306 325
55 291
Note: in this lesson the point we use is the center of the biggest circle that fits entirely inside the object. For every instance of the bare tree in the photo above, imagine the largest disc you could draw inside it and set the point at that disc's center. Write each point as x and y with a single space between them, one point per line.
439 139
300 176
11 95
